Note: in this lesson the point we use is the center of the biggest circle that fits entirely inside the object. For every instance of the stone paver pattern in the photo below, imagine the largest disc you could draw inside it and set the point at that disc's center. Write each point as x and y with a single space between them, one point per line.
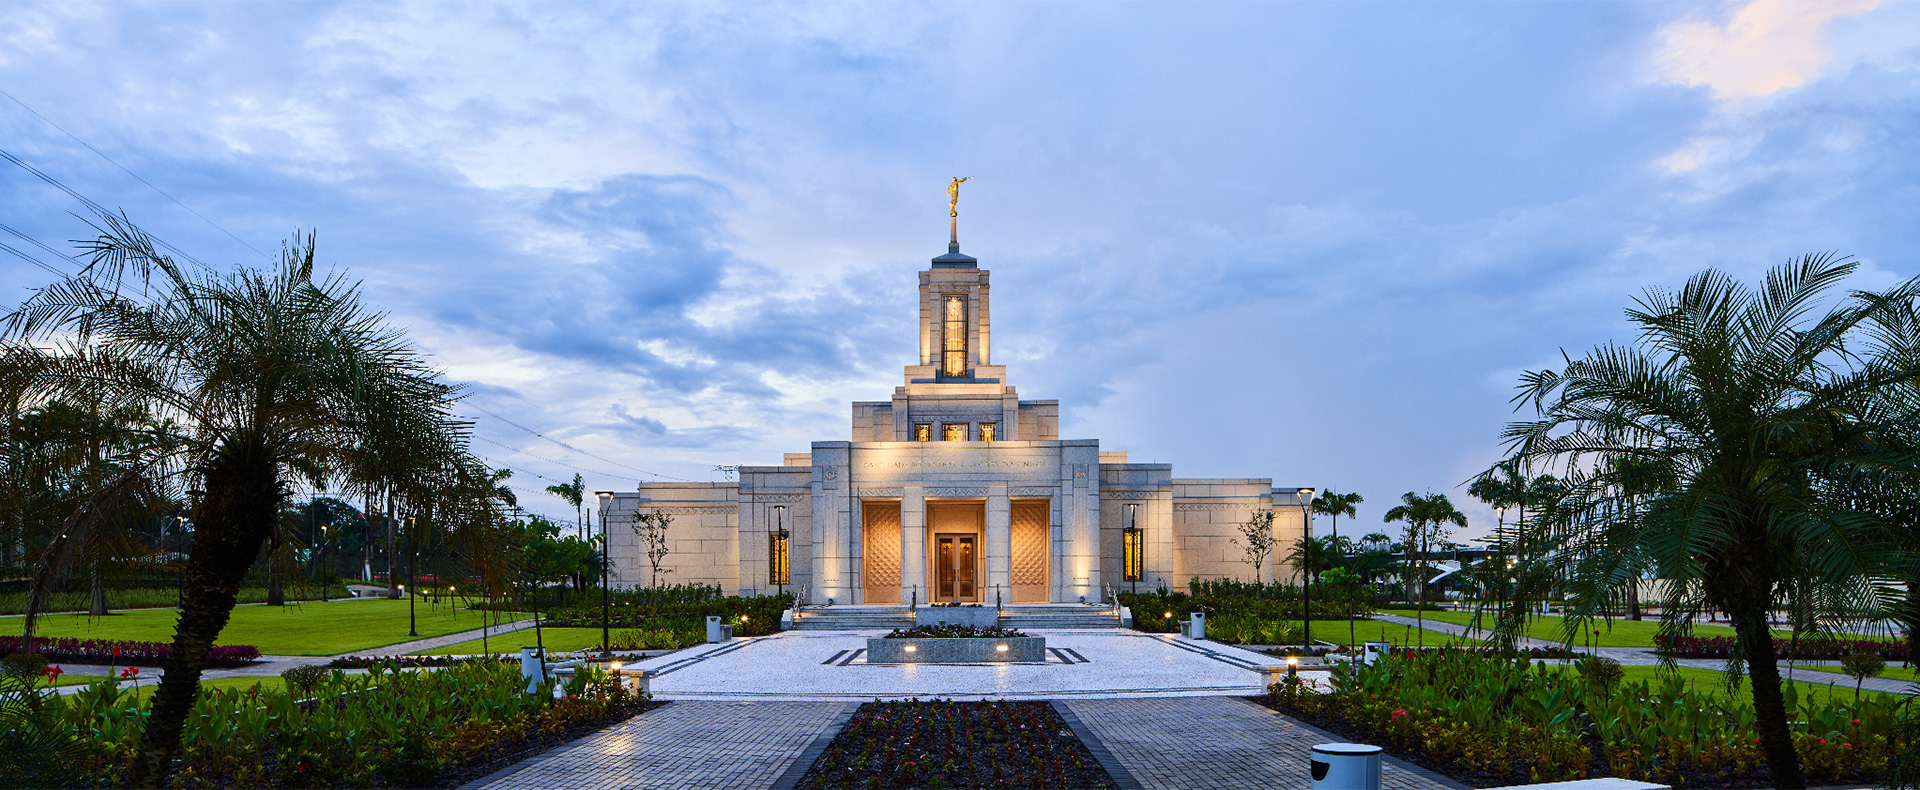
1219 743
827 665
691 744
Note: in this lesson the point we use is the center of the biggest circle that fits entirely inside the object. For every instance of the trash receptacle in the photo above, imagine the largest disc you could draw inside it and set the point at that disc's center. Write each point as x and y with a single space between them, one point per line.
530 668
1345 766
716 632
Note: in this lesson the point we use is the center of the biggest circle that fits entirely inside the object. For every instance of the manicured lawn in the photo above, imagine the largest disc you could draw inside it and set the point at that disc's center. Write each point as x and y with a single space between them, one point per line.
1618 633
308 629
557 641
1399 635
1715 683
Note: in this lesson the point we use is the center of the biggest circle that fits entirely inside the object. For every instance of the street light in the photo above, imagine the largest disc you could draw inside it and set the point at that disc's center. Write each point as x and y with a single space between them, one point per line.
778 561
606 549
1306 587
412 560
1132 550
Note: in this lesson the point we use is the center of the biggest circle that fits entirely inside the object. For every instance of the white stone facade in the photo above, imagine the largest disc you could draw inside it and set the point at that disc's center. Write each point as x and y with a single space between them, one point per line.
953 490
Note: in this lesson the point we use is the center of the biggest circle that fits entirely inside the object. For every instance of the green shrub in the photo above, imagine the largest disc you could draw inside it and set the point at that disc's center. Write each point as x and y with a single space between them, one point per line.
1602 672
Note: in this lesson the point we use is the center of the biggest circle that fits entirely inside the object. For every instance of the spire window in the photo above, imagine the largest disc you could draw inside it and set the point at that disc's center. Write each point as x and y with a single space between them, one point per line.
953 337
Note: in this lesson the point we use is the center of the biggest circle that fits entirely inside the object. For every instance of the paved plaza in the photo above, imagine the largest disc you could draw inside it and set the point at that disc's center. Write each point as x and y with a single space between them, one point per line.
1084 663
1223 743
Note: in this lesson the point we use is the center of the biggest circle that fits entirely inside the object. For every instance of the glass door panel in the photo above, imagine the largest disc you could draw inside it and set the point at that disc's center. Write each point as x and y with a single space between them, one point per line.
943 563
964 568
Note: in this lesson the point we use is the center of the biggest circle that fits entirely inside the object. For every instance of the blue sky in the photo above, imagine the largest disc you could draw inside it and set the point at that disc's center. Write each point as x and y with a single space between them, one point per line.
1311 241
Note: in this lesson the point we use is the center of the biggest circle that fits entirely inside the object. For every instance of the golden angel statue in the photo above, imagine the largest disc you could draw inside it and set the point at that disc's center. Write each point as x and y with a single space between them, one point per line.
953 196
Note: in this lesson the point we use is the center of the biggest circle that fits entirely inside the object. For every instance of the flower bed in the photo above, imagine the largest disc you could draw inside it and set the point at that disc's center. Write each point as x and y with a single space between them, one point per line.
955 632
1488 720
955 744
1804 648
120 652
381 729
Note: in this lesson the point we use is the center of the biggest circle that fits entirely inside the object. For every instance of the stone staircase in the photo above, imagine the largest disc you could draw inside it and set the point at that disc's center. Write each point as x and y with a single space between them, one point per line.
886 618
1059 616
854 618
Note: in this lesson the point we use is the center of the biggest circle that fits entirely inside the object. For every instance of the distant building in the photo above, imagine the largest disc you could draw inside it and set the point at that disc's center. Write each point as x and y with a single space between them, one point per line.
953 490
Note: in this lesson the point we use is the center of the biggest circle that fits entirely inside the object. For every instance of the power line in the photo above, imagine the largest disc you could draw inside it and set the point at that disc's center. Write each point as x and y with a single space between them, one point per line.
477 408
556 463
136 176
89 202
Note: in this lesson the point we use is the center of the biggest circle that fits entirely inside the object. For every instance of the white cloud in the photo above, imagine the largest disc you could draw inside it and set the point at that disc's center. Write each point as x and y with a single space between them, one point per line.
1765 46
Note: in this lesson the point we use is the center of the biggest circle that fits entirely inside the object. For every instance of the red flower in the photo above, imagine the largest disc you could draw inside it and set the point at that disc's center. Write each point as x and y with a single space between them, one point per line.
54 672
1856 722
1399 712
1823 741
129 672
116 651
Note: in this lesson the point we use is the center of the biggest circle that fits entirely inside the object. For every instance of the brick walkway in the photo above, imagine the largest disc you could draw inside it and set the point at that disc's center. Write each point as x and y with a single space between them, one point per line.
687 744
1223 743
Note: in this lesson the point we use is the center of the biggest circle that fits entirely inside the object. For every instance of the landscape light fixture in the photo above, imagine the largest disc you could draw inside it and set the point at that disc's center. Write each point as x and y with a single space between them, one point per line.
606 549
1306 586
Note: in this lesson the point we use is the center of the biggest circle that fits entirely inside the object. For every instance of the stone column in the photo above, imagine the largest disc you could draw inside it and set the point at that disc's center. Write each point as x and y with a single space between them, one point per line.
834 575
913 545
999 548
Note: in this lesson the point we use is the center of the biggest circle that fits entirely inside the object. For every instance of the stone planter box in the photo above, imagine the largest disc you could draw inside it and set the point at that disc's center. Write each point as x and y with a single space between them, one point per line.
956 651
976 616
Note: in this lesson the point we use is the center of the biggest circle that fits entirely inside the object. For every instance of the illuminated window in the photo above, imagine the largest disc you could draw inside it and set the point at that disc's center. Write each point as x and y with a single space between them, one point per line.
953 432
987 432
953 333
1134 554
777 567
923 432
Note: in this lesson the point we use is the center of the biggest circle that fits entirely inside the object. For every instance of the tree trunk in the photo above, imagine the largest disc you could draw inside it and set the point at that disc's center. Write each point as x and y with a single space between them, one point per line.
1910 617
393 554
1745 593
233 518
99 604
276 588
1633 598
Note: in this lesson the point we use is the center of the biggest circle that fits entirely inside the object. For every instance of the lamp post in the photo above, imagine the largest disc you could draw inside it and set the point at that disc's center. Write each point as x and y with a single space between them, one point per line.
413 559
1133 548
1306 587
606 550
778 561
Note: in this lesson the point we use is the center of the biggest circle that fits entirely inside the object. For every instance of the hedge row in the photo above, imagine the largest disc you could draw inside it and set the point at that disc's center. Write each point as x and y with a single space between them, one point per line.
120 652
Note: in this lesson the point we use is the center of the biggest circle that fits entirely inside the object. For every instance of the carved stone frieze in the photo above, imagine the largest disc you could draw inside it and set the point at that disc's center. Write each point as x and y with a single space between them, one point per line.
1032 492
955 493
876 493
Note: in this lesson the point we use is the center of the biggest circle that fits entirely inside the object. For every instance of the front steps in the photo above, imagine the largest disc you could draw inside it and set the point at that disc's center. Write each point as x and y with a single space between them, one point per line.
887 618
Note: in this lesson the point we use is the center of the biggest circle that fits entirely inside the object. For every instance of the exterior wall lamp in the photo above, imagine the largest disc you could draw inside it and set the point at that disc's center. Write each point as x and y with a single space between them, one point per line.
1133 548
779 565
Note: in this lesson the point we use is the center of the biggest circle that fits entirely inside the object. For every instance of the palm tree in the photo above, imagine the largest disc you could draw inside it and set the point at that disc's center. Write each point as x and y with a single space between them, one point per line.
575 494
1426 518
271 377
1764 416
1337 505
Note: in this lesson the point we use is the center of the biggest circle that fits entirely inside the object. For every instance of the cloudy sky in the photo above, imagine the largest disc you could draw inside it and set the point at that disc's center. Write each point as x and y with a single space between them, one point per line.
1311 241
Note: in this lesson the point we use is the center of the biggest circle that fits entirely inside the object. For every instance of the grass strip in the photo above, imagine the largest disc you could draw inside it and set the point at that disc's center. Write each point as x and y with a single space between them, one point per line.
307 629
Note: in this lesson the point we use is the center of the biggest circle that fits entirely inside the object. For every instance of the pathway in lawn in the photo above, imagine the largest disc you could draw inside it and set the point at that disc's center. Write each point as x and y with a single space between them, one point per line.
272 666
1222 743
1638 656
716 745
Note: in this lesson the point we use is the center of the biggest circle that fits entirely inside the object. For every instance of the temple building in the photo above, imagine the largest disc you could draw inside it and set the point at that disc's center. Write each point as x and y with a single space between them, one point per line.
955 489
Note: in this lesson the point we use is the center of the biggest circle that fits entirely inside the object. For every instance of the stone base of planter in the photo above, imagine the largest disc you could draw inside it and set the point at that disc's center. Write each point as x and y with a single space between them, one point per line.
976 616
956 651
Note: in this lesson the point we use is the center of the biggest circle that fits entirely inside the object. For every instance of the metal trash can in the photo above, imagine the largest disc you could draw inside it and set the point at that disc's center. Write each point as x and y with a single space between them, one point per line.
1195 627
1375 650
716 632
1345 766
530 661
